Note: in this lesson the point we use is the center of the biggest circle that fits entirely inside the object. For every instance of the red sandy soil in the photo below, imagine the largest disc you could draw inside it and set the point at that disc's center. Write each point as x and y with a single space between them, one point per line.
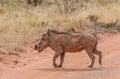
75 65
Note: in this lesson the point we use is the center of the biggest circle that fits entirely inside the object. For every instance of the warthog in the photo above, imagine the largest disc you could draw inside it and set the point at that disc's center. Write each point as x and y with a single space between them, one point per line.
62 42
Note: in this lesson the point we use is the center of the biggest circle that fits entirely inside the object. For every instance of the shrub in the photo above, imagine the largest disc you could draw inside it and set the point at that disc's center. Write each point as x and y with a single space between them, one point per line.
104 2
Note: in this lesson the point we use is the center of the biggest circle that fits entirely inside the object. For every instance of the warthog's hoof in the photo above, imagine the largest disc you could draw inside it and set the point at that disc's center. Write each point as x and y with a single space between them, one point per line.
90 66
55 65
59 66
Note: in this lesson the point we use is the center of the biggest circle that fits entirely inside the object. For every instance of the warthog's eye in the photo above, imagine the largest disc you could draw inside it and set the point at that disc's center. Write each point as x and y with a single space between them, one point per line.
35 47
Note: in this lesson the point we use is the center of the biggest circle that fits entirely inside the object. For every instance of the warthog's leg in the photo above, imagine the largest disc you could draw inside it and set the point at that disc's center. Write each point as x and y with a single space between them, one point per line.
61 59
90 54
99 54
55 58
58 52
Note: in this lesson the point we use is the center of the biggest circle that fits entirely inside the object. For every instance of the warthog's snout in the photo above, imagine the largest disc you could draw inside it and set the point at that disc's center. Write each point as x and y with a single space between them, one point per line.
38 48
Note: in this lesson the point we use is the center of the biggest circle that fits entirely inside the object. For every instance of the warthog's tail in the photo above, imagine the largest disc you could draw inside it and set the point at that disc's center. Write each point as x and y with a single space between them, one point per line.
95 30
95 34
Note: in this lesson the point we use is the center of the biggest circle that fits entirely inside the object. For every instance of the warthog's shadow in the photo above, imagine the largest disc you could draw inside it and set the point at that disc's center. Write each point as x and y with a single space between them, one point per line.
70 70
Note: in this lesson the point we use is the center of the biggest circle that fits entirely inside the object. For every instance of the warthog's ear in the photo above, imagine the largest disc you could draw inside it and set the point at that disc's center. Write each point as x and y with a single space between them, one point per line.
48 32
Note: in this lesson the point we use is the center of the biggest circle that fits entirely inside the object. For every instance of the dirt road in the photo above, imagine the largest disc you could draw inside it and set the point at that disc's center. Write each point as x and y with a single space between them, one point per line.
75 65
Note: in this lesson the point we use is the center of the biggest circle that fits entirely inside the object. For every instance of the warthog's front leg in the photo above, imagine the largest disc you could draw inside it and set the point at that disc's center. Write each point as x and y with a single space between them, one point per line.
55 58
59 51
61 59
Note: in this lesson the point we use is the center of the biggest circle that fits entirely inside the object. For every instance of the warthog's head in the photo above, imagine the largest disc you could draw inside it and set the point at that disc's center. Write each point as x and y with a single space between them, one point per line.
44 42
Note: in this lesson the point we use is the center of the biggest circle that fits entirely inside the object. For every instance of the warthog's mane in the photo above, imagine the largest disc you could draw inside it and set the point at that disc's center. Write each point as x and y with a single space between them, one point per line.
57 32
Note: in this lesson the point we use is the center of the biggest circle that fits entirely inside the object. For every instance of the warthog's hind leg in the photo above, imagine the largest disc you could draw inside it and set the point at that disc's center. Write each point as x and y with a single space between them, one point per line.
90 54
99 54
61 59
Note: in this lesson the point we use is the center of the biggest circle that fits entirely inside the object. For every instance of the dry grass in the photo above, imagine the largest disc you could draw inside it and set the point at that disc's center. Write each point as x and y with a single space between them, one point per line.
21 23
